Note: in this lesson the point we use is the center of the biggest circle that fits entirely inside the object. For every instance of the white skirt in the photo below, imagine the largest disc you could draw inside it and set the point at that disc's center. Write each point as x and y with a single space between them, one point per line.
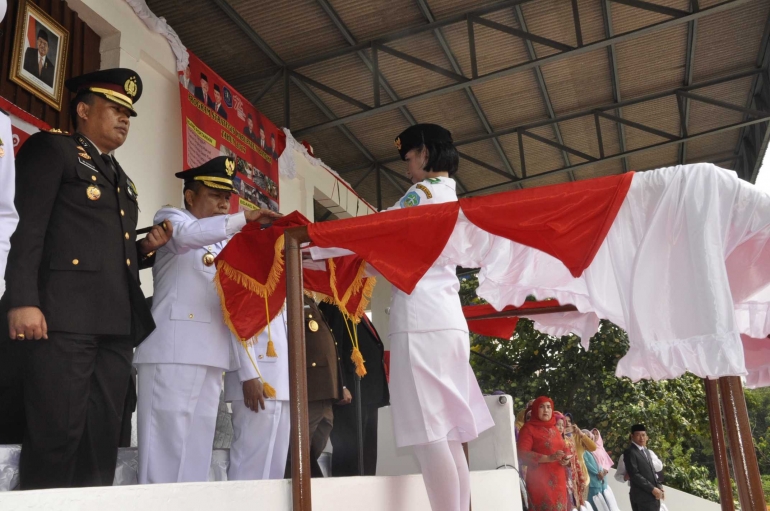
433 391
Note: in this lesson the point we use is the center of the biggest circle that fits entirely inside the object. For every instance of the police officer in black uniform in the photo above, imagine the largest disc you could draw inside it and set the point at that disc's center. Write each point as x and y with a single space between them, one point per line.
73 297
374 394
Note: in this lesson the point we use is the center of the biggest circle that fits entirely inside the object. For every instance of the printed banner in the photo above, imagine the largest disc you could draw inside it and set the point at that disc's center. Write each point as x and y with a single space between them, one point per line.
217 121
23 124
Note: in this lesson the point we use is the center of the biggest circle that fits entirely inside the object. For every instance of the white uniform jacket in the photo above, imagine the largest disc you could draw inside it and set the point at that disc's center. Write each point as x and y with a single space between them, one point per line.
8 215
275 370
435 302
190 326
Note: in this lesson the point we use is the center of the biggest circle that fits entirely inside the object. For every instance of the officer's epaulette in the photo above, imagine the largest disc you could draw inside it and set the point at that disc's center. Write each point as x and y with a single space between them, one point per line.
172 207
57 131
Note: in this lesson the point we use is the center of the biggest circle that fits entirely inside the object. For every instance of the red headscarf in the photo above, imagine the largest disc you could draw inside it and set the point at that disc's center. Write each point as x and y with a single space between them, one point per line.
535 419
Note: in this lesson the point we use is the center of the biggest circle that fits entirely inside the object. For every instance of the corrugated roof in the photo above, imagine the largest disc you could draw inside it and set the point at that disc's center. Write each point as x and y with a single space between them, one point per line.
726 43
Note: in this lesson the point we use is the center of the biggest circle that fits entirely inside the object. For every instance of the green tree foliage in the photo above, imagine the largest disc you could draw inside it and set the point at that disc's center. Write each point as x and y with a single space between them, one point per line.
584 383
758 403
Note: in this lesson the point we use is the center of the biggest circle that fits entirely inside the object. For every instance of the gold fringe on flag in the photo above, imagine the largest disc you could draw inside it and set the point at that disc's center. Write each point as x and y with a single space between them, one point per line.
252 284
264 290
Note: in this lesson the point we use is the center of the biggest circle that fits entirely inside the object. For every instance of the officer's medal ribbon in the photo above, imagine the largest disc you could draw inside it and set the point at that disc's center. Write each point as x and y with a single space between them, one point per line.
93 193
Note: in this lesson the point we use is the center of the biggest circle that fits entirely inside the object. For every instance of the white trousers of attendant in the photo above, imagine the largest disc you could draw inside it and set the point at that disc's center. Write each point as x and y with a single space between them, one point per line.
176 420
260 441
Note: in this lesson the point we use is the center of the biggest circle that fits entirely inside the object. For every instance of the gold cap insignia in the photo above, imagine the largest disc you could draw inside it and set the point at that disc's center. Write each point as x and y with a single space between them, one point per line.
229 167
398 143
130 86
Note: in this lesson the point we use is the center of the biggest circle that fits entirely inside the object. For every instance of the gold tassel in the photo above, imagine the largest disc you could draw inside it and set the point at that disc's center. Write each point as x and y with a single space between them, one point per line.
356 357
267 389
270 345
358 360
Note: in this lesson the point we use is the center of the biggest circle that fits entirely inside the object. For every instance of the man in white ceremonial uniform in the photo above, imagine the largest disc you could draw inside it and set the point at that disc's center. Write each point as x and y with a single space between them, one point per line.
261 440
8 215
180 365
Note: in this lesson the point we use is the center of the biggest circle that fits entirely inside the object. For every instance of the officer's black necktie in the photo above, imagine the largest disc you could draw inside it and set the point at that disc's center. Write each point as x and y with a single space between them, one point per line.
111 164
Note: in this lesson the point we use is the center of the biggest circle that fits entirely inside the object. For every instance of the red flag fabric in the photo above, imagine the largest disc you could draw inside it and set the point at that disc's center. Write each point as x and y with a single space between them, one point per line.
568 221
250 277
251 280
343 284
498 327
400 244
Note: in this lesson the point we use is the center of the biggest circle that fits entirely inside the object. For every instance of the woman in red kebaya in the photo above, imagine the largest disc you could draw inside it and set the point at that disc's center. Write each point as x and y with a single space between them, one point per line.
541 448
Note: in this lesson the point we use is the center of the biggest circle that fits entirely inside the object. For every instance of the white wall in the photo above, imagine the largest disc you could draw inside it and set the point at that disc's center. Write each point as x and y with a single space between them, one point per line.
490 491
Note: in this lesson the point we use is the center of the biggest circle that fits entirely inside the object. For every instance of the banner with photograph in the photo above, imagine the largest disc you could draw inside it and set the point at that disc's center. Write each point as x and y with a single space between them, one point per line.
217 121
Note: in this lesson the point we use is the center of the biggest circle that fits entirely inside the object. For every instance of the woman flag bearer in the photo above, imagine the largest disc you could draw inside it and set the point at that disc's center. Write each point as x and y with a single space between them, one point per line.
435 398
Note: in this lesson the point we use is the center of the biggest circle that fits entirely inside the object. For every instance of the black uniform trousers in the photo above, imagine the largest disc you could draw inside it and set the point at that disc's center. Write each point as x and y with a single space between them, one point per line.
645 506
345 439
321 424
74 393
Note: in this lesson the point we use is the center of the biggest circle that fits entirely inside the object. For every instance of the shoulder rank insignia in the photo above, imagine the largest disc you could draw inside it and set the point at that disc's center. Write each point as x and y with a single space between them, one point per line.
57 131
424 189
434 180
2 149
84 155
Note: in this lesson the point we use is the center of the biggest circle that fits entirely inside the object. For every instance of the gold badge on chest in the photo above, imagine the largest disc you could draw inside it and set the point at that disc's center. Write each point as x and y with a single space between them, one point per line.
208 259
93 193
312 325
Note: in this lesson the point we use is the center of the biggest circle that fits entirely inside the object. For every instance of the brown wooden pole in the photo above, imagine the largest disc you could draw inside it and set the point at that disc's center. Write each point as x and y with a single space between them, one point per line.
468 460
742 454
300 422
718 442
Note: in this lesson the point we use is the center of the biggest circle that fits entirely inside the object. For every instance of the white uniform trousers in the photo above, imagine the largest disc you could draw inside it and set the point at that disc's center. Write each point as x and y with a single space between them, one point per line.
260 441
176 420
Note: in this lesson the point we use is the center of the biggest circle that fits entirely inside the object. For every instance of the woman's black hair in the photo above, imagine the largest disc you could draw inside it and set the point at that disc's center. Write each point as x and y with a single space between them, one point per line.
442 157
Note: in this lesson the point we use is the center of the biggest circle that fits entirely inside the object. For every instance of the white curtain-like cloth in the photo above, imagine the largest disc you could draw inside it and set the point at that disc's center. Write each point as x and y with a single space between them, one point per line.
686 256
160 26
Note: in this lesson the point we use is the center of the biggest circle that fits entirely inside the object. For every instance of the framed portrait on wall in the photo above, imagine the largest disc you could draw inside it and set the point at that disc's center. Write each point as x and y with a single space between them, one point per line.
39 57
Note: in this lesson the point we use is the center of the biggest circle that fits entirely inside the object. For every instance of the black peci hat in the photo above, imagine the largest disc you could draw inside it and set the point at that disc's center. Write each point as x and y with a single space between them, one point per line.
420 134
216 173
119 85
42 34
638 427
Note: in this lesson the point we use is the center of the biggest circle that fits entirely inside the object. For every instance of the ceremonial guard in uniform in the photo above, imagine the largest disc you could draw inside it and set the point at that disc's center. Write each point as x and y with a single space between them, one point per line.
261 440
435 398
374 394
180 365
73 294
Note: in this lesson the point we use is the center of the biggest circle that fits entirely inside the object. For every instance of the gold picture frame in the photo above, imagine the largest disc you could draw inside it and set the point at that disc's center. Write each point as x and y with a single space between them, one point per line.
39 57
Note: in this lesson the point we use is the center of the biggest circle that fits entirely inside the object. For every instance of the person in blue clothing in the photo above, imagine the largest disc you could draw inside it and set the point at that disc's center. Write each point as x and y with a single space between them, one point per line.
597 475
